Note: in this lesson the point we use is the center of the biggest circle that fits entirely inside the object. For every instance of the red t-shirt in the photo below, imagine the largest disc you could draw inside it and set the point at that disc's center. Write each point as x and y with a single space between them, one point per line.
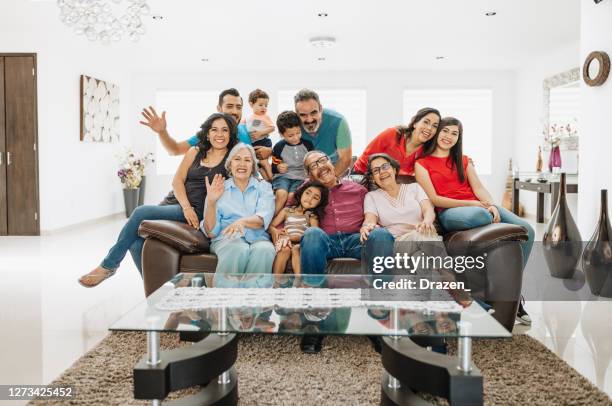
386 142
445 178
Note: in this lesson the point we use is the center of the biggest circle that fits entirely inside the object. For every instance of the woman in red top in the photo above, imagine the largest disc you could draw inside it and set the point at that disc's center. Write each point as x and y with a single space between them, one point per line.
403 143
451 183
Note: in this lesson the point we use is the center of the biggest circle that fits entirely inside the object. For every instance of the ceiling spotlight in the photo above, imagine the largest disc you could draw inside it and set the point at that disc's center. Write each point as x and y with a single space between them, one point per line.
439 57
157 17
321 58
491 13
322 42
322 14
205 59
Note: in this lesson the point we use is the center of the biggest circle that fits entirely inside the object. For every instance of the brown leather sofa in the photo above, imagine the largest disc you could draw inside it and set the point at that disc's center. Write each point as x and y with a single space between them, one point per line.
172 247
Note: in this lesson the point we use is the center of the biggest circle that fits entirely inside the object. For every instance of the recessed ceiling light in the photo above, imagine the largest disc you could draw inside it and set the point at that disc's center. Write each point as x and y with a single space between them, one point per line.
322 42
157 17
205 59
321 58
322 14
439 57
491 13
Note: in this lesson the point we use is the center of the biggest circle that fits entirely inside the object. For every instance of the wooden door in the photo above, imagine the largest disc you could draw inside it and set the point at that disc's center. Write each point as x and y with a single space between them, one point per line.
3 207
21 145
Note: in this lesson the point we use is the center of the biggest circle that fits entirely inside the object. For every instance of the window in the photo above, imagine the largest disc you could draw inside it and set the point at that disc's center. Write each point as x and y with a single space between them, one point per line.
186 111
351 103
564 104
474 107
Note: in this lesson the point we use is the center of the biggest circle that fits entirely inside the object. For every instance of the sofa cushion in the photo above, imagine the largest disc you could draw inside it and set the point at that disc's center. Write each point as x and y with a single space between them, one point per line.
181 236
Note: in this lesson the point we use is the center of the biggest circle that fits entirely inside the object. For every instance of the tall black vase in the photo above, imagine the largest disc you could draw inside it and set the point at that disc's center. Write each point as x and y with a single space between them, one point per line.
130 199
597 255
562 242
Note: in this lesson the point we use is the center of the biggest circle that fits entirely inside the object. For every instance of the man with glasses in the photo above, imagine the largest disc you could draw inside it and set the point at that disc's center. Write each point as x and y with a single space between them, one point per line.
326 129
338 235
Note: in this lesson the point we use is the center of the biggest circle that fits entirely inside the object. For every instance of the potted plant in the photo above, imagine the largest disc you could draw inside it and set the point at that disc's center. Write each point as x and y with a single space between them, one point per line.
131 173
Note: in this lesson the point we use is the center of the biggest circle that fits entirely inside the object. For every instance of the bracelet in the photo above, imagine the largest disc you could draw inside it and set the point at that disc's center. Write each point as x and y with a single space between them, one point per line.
368 225
188 208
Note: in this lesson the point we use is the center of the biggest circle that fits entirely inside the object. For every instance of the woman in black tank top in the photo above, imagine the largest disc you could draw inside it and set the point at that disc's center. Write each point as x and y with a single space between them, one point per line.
185 203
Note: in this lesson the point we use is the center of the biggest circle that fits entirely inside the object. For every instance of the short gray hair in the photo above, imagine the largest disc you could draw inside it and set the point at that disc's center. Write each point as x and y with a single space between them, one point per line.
309 153
233 153
306 94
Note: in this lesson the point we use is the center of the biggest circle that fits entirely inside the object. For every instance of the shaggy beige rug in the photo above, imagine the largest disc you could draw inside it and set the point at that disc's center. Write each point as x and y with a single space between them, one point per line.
273 371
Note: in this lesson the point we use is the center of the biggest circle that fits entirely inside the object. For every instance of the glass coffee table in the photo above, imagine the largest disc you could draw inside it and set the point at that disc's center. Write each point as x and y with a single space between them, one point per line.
211 310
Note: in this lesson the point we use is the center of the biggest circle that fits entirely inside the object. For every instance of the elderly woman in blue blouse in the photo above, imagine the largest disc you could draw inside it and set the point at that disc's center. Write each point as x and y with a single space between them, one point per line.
237 214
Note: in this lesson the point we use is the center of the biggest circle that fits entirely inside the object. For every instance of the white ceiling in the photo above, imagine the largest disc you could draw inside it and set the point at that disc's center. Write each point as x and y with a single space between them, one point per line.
273 34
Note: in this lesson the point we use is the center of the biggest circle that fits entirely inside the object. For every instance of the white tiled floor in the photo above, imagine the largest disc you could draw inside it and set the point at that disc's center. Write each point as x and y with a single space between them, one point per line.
48 320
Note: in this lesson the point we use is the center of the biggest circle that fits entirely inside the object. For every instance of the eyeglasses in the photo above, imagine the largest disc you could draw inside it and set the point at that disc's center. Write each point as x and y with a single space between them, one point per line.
383 167
321 161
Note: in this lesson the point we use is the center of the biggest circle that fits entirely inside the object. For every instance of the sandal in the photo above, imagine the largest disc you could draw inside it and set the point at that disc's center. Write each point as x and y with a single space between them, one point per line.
95 279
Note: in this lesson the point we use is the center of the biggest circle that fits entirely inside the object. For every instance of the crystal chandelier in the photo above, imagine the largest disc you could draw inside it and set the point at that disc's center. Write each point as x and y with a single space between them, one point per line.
97 21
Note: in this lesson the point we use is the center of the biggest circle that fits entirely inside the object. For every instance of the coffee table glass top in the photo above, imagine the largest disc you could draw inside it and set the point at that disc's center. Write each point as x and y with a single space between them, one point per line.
326 305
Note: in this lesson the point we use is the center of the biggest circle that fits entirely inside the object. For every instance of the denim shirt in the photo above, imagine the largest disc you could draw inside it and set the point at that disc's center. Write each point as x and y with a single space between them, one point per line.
257 199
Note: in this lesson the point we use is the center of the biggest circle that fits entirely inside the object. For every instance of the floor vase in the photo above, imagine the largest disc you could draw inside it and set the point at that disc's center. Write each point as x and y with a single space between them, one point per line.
562 242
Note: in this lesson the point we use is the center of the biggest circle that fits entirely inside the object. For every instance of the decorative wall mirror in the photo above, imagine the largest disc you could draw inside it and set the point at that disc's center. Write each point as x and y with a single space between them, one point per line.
596 68
561 109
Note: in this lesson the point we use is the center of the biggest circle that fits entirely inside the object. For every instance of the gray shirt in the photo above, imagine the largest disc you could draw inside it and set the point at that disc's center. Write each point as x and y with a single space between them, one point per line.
293 156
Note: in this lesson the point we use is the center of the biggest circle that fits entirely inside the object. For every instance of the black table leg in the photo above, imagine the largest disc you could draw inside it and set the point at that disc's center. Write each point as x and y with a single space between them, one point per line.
208 363
409 367
540 209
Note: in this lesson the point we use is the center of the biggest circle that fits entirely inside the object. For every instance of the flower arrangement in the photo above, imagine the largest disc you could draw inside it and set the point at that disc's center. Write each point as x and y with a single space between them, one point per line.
132 167
557 133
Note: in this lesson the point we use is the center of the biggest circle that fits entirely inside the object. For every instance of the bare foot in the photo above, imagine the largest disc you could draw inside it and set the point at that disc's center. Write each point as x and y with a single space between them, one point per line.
95 277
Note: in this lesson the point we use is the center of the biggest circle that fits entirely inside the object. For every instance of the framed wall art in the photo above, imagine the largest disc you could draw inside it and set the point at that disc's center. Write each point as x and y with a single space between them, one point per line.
99 110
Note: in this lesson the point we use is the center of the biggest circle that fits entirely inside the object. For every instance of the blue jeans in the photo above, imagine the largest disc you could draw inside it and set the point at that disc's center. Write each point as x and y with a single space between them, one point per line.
237 256
129 239
317 248
464 218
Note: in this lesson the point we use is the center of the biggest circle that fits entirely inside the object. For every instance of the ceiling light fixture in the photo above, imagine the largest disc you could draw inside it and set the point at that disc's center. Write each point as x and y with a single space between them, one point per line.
491 13
322 14
157 17
321 58
440 57
205 59
322 42
96 20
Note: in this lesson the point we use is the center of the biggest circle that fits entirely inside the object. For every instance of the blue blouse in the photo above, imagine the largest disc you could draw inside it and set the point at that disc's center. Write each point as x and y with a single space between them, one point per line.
257 199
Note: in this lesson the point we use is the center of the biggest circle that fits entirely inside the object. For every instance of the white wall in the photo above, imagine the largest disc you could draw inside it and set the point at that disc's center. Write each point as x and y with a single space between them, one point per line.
384 104
595 140
78 181
529 114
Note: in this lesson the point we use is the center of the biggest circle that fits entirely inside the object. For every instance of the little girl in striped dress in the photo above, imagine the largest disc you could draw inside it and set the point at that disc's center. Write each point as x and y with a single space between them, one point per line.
310 199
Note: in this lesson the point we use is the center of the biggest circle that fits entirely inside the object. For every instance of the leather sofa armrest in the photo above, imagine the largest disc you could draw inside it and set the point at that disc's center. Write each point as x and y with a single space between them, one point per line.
483 238
178 235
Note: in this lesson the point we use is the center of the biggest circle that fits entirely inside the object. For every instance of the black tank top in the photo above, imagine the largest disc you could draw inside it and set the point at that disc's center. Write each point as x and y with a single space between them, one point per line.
195 185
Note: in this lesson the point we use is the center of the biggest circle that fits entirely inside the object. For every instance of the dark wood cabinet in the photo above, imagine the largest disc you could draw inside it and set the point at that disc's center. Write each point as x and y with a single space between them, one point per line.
19 199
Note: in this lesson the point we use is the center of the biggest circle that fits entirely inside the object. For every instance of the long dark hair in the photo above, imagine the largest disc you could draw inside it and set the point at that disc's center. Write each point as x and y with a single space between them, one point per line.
320 209
205 144
405 131
455 157
368 178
